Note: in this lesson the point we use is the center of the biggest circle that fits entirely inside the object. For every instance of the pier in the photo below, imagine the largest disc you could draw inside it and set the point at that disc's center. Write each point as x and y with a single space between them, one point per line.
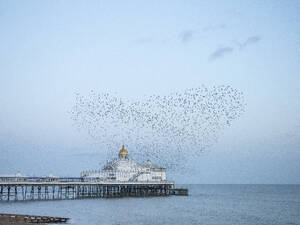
47 188
120 177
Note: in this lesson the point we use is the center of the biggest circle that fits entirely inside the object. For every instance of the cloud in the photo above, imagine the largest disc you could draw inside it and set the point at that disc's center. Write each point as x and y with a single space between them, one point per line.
186 35
221 52
250 41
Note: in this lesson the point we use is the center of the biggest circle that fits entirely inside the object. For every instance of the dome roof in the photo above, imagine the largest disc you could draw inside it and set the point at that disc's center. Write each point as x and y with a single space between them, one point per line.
123 151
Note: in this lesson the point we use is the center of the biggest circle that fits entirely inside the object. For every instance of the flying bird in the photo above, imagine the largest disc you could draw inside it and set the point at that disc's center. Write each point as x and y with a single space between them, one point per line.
169 128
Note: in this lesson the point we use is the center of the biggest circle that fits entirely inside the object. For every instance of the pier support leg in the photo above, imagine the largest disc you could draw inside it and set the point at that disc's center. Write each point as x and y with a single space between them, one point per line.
16 193
25 194
32 193
23 197
1 192
8 193
39 192
46 192
53 191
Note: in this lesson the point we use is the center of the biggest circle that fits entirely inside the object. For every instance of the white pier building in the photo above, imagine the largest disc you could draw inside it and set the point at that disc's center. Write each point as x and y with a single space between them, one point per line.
124 169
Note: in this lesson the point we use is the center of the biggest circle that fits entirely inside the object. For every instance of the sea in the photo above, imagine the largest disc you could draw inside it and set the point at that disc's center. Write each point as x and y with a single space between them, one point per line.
206 204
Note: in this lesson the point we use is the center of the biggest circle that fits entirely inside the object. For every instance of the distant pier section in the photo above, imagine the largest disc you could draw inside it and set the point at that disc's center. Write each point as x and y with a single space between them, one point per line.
121 177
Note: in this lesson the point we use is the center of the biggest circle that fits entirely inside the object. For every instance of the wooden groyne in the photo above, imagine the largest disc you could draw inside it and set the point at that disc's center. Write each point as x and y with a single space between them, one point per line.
30 219
75 188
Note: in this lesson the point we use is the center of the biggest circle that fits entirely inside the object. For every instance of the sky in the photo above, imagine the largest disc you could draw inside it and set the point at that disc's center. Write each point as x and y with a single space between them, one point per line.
50 50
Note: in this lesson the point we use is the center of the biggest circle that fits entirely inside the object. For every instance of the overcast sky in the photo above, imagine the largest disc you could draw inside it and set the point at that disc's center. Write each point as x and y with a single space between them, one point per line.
50 50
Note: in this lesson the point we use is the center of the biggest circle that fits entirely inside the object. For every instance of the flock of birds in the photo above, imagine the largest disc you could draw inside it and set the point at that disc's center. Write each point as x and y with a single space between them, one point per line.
166 129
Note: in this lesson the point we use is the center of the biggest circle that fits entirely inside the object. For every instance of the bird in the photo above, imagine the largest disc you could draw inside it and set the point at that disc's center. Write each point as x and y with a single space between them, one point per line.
170 128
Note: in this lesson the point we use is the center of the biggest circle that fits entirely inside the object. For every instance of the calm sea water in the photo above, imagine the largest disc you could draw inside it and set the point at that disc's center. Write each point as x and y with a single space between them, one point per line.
206 204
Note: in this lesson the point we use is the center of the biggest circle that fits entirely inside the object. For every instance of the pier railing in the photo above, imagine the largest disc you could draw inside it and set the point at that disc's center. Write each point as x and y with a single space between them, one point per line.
41 179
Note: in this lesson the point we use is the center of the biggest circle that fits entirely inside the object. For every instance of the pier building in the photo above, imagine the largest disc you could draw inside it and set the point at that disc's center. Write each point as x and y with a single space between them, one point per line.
125 169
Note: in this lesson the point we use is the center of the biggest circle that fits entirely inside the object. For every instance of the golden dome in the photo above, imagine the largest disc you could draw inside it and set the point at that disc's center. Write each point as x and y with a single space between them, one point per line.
123 151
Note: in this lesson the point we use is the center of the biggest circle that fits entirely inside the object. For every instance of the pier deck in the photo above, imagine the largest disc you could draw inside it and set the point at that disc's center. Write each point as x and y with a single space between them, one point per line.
23 189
